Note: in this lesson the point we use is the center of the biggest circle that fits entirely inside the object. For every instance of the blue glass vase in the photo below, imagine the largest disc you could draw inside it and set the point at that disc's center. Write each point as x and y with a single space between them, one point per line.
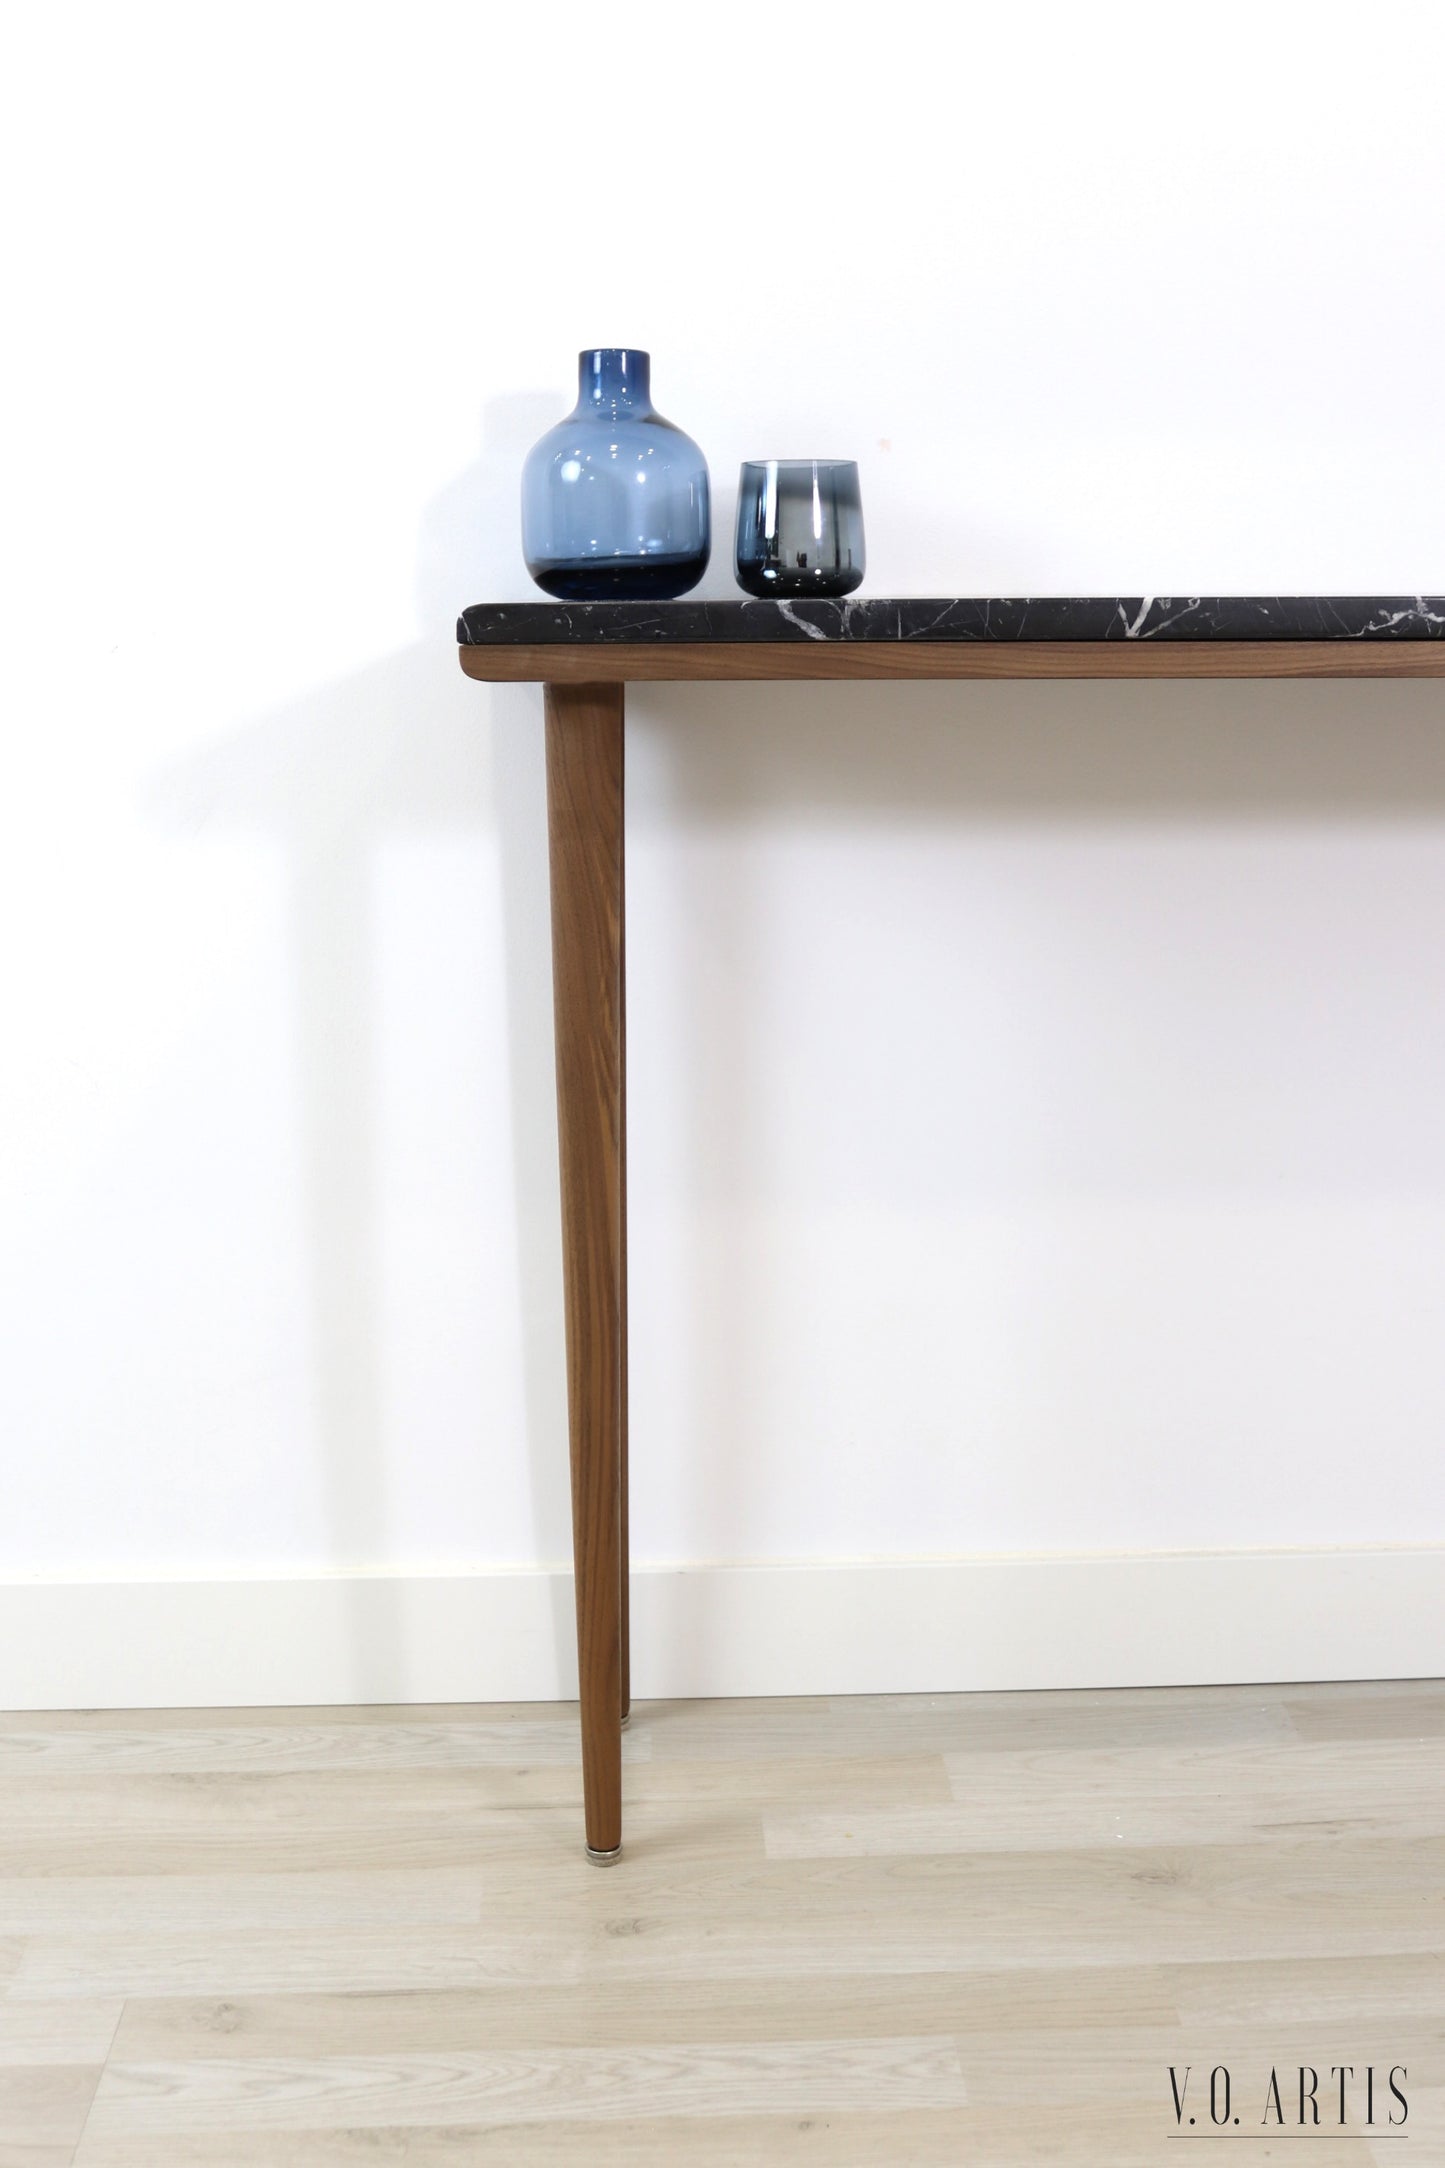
615 499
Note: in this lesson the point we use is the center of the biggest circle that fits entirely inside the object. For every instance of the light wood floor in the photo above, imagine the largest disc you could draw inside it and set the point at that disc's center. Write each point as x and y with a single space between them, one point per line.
940 1930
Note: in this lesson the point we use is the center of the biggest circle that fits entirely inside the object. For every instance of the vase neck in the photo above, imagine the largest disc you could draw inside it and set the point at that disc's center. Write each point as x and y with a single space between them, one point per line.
613 378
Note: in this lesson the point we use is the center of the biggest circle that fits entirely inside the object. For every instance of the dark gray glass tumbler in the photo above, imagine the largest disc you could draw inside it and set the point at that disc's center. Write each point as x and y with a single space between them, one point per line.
800 527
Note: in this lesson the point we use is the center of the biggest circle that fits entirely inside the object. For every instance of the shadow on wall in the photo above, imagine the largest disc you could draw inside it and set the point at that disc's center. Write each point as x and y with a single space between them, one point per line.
407 745
1172 1092
994 753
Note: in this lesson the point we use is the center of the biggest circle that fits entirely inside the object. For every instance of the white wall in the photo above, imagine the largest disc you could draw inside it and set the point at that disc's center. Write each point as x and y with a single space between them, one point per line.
1036 1135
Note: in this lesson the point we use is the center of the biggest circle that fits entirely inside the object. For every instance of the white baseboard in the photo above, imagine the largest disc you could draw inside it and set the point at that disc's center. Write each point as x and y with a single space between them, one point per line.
1150 1619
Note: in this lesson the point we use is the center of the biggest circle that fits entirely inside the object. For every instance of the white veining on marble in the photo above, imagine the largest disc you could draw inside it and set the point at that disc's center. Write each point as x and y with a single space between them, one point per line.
934 619
814 632
1164 623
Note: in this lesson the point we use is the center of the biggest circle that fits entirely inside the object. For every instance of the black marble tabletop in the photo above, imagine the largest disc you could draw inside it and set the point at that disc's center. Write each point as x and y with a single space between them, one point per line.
1028 617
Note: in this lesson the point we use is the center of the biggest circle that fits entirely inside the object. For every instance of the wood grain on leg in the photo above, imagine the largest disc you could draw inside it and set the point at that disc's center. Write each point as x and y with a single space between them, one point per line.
624 1548
584 819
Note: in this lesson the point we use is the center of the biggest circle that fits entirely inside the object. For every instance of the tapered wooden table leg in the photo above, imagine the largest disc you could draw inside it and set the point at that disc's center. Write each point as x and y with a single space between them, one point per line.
584 822
625 1592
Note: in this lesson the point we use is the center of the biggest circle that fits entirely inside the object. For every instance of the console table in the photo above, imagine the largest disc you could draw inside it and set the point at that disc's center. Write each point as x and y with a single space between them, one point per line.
585 654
